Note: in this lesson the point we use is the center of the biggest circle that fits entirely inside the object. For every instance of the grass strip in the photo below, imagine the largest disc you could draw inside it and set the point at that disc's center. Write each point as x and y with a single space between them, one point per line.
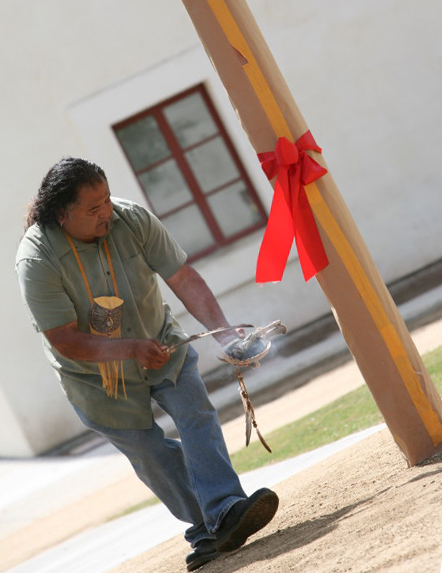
349 414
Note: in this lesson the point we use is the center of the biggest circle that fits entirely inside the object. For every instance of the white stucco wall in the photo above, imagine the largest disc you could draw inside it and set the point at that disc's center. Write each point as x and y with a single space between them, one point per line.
365 75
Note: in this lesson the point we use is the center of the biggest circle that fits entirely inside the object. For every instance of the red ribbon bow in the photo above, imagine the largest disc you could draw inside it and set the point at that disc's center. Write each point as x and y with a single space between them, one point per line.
291 216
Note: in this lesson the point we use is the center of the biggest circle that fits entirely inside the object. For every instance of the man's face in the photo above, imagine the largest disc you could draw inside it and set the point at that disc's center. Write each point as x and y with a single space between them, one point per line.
89 218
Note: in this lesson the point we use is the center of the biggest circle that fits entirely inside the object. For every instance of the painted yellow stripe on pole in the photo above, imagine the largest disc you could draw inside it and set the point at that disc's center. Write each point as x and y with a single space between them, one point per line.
251 68
387 330
331 227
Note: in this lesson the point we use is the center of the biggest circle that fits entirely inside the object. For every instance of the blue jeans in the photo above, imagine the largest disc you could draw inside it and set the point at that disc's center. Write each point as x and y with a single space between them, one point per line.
193 477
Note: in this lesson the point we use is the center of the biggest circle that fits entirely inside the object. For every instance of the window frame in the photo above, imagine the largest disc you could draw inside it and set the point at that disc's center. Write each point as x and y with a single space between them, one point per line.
199 197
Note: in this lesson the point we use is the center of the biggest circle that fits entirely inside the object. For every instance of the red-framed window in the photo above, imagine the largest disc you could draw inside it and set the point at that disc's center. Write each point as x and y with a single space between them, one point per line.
190 172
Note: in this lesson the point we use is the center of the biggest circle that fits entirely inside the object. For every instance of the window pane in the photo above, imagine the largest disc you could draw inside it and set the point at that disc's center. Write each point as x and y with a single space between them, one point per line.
189 229
212 164
143 142
190 120
165 187
234 209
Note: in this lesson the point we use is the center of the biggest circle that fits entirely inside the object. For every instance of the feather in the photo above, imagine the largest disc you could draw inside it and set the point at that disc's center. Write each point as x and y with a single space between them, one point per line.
249 413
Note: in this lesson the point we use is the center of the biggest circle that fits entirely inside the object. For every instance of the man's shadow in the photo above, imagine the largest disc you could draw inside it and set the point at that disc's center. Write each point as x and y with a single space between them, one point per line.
286 540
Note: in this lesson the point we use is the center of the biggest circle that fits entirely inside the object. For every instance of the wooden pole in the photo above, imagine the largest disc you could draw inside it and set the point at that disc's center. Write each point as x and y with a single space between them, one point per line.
369 320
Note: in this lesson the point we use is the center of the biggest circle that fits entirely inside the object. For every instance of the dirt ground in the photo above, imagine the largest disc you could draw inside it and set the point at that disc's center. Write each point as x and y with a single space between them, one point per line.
361 511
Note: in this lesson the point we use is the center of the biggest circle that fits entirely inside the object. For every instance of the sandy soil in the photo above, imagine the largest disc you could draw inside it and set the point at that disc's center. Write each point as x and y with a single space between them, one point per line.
361 511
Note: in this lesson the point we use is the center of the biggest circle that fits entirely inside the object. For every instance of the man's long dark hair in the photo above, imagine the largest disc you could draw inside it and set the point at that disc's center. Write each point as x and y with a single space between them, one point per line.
59 189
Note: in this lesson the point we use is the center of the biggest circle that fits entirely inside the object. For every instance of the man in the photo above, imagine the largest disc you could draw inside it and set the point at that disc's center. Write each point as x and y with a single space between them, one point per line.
87 268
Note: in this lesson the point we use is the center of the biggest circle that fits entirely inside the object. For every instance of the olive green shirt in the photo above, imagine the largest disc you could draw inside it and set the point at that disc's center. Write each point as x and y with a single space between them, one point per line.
55 294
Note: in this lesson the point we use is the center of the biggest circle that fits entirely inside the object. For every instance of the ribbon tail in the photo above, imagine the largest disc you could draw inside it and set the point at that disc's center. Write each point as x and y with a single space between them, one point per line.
277 241
311 252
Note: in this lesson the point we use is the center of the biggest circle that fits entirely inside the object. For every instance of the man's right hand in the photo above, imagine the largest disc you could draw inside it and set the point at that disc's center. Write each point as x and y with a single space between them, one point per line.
151 354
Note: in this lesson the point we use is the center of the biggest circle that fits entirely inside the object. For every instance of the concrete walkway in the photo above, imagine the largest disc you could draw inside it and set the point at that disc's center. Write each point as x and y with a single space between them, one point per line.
33 489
